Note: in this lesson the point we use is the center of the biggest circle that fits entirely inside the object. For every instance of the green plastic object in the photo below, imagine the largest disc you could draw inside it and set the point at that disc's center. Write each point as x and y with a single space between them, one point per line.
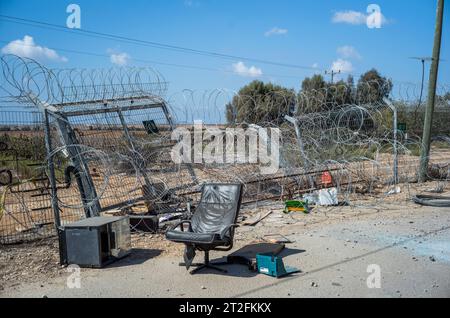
272 265
296 206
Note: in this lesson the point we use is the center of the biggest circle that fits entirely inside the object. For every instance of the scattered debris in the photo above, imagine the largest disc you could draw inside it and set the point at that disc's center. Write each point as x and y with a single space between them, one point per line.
256 219
277 239
311 198
272 265
247 254
328 197
396 190
438 190
296 206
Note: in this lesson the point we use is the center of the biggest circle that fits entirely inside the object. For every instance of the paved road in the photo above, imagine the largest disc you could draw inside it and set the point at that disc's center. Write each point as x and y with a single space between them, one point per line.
411 248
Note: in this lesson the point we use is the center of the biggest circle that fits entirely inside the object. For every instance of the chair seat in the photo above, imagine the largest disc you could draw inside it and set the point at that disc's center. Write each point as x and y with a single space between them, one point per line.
192 237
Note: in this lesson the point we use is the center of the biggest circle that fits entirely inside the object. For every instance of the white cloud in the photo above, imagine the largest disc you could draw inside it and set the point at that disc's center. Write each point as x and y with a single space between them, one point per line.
315 65
350 17
348 52
276 31
241 69
120 59
28 48
354 18
342 65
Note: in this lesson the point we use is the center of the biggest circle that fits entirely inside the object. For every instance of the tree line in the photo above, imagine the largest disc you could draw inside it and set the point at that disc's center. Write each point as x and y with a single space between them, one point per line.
260 102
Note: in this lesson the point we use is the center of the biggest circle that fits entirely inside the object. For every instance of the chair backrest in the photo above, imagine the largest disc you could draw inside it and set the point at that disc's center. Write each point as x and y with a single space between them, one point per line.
218 208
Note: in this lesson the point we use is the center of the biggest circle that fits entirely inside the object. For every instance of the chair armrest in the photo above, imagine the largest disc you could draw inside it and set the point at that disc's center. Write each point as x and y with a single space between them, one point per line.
228 229
181 223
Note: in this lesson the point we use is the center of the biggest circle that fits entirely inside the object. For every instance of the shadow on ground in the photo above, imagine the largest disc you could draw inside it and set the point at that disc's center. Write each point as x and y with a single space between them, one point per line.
138 256
238 270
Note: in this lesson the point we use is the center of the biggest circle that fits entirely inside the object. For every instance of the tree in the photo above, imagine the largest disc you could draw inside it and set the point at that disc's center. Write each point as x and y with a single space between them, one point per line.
317 95
259 102
372 88
313 94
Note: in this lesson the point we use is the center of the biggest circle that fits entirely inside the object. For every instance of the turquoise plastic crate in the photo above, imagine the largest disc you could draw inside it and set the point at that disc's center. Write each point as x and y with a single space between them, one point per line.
272 265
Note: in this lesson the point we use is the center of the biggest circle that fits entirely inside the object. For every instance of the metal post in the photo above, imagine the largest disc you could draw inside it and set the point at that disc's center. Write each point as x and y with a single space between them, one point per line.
168 116
86 184
298 133
426 139
395 130
395 146
55 206
68 138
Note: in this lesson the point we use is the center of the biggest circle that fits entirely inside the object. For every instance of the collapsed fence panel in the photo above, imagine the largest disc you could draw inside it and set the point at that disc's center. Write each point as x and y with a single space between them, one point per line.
105 146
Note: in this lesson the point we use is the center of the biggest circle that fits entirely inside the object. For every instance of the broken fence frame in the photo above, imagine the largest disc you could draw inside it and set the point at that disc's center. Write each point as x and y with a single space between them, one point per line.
65 130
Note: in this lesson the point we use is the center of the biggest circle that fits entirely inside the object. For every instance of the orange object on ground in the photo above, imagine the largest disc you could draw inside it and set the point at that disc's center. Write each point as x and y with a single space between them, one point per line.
327 179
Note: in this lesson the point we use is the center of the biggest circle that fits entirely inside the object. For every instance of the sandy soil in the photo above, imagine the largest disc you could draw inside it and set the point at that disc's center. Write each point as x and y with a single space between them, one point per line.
37 262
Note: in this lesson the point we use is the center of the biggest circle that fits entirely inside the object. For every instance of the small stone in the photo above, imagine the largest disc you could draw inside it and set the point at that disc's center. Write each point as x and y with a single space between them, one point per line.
203 287
313 284
432 259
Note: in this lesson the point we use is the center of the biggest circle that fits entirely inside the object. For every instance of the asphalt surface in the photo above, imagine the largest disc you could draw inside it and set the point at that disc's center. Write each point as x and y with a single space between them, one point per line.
410 247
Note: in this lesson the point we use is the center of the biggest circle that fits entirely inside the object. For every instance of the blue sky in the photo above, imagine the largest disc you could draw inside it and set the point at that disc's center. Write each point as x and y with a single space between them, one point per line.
307 33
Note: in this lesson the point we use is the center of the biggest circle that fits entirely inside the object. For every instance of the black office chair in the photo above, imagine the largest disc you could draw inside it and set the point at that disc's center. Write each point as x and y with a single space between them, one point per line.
212 226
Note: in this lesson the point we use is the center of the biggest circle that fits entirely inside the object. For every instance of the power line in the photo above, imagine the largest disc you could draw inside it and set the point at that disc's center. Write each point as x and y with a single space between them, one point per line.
194 67
150 61
146 43
180 49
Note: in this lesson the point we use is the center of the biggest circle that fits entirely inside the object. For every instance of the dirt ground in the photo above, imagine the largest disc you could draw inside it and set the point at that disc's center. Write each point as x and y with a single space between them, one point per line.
33 269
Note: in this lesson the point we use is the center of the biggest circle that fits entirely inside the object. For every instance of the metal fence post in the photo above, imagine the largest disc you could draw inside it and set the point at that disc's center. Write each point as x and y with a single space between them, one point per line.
55 206
395 130
298 133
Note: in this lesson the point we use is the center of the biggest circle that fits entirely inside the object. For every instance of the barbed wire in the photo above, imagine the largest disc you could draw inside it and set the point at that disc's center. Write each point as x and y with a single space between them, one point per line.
113 130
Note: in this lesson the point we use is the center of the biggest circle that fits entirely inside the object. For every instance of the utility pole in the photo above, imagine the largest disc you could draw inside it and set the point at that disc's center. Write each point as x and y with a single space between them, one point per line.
332 73
426 139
